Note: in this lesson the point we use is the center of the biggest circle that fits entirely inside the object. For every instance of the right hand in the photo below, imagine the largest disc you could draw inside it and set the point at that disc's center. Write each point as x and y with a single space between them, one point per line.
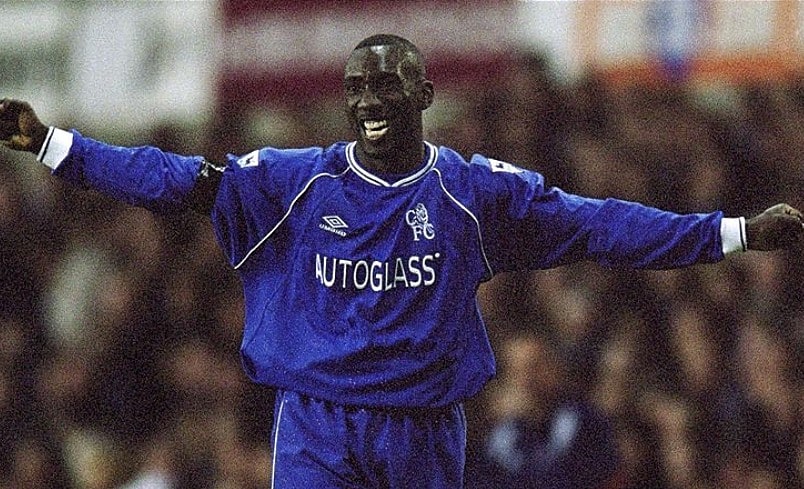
20 128
780 226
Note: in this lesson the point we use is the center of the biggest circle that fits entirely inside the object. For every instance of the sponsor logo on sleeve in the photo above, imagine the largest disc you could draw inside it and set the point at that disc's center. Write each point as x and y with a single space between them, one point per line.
501 166
251 159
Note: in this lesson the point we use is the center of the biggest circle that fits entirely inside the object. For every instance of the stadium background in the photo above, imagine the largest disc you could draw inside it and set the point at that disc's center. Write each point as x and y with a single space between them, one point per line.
119 329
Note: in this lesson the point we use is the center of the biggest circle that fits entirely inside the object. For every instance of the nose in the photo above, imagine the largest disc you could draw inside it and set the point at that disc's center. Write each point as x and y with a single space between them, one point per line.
368 98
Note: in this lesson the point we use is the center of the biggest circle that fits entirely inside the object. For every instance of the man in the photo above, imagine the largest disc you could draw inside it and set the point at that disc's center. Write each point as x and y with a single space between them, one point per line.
545 433
360 263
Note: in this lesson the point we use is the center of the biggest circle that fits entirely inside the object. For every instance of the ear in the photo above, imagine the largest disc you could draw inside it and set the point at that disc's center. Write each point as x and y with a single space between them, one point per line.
426 94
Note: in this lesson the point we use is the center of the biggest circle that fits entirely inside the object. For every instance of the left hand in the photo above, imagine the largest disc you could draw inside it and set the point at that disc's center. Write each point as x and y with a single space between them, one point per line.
20 128
780 226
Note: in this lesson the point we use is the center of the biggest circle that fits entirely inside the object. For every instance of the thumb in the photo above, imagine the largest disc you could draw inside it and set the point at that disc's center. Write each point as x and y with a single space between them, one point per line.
20 128
778 227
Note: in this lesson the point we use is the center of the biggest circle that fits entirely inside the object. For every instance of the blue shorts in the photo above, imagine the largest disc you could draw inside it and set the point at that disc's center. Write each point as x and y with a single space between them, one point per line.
321 445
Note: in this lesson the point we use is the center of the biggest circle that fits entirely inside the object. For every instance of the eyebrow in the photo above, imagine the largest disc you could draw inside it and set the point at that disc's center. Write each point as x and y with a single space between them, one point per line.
382 76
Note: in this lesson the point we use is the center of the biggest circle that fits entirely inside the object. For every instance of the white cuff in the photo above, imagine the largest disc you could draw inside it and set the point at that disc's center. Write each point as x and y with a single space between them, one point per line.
732 235
55 148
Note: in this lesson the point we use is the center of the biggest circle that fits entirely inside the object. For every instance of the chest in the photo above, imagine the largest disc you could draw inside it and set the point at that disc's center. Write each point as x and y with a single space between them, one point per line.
356 221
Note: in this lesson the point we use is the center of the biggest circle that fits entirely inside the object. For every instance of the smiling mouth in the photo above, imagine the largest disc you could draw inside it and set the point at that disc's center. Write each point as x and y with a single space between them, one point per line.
374 129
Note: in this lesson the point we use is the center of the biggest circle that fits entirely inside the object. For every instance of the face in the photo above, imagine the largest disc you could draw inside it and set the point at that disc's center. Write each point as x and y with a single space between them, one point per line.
533 366
385 96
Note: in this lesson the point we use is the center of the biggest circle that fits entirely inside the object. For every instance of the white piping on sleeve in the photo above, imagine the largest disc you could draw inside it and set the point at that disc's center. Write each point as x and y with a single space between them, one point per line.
287 213
474 218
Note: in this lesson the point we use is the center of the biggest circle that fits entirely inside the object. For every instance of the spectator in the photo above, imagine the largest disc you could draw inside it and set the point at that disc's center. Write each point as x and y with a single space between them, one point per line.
545 434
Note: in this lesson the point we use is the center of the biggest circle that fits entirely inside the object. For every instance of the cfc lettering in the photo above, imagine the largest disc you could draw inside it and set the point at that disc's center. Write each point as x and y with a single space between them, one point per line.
379 276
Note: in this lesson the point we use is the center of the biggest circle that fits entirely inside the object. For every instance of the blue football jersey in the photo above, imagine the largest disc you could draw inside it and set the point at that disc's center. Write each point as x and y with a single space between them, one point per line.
360 288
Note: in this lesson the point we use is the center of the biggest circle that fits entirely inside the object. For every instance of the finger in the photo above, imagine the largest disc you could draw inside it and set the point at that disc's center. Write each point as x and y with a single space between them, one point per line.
786 210
10 108
792 211
8 129
794 229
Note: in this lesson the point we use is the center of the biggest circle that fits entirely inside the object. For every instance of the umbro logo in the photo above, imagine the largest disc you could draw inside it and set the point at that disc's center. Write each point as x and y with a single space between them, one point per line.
334 224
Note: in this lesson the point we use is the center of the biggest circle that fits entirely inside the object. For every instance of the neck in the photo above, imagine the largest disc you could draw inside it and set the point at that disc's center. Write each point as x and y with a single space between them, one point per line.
397 161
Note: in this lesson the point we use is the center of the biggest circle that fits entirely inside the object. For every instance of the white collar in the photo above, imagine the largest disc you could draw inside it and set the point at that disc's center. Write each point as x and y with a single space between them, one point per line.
351 158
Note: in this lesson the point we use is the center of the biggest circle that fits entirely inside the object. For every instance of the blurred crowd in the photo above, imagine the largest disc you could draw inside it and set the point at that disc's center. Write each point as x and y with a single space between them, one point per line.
119 329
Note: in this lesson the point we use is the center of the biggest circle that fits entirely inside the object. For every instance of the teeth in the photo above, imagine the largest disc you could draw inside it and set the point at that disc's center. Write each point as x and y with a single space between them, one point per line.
375 125
375 129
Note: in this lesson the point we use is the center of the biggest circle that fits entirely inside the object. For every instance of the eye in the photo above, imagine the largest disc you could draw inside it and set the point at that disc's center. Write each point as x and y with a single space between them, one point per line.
387 86
353 87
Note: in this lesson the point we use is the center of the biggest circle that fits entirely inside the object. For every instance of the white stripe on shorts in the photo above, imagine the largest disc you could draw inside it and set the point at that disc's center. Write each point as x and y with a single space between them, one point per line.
276 438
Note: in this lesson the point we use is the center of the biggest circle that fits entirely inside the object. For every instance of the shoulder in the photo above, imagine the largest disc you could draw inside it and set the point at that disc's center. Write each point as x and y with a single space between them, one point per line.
281 172
487 172
312 158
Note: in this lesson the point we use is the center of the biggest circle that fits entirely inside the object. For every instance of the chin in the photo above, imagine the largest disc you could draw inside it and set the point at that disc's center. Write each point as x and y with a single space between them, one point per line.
376 148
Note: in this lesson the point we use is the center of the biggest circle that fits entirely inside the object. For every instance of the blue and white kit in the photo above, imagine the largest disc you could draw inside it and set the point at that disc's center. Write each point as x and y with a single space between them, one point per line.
360 288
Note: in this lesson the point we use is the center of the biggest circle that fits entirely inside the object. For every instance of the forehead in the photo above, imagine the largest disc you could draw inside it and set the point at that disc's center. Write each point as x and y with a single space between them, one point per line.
379 59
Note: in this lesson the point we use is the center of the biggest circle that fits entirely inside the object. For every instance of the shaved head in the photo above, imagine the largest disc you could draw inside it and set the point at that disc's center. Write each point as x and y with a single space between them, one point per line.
388 40
413 61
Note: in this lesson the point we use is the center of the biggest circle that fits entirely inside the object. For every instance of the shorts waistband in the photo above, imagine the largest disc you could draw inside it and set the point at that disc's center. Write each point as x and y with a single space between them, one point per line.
415 411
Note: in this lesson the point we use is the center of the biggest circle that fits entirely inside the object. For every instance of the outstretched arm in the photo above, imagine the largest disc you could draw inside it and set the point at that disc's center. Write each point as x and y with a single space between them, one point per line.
535 226
140 176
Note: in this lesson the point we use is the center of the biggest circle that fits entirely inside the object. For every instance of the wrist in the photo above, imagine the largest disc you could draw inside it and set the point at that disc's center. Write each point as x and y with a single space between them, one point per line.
38 137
